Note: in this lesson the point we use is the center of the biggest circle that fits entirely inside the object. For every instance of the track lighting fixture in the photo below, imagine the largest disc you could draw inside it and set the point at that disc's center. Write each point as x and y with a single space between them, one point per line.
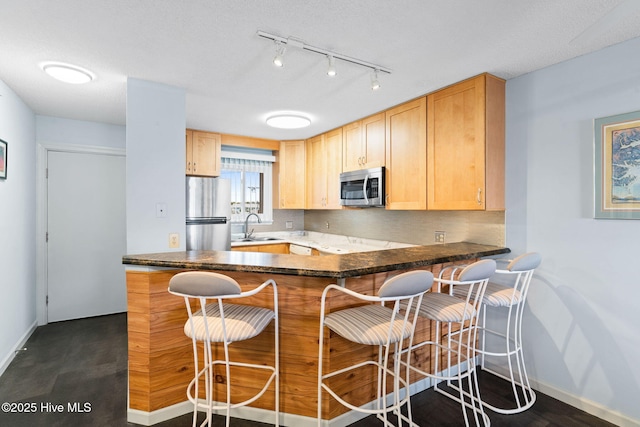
331 71
282 43
375 83
278 60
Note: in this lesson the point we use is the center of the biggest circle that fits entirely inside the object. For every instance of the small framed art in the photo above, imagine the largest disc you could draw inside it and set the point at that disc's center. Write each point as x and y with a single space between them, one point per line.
3 159
617 166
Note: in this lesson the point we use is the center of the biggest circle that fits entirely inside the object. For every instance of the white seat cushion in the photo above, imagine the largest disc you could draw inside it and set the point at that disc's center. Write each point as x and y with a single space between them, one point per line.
445 308
242 322
368 324
495 295
500 295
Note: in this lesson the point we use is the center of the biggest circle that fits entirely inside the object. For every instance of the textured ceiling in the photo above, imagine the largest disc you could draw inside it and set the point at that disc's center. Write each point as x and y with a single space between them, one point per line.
210 48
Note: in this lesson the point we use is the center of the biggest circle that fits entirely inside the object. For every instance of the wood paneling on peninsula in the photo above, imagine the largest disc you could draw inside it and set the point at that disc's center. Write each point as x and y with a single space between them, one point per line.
160 359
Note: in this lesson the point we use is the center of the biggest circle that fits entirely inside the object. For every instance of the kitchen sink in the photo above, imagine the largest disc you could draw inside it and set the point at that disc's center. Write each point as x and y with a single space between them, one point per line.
256 239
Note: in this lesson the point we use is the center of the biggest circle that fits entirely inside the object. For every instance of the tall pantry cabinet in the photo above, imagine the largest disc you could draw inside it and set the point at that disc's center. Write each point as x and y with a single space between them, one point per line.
465 145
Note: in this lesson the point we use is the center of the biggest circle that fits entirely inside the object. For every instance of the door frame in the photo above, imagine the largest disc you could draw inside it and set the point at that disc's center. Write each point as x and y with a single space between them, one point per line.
42 154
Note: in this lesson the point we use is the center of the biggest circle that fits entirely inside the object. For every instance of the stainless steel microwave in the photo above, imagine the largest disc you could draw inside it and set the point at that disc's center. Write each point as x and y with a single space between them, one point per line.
362 188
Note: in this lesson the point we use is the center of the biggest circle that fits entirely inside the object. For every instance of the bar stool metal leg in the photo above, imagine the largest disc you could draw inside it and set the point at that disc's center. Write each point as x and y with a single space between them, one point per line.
511 297
225 323
460 317
385 321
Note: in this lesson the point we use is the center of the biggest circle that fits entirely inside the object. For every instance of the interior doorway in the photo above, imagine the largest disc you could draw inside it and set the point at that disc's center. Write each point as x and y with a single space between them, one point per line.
85 234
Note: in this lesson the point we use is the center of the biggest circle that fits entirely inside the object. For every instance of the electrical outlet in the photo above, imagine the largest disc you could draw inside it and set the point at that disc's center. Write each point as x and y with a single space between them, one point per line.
174 240
439 235
288 224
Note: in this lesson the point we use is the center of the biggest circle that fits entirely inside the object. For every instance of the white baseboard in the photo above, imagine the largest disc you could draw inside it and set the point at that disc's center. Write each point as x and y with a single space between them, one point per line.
586 405
19 346
247 413
267 416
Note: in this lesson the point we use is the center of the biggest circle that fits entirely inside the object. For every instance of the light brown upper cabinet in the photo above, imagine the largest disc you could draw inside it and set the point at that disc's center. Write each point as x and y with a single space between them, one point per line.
406 156
324 165
291 184
203 153
364 143
465 145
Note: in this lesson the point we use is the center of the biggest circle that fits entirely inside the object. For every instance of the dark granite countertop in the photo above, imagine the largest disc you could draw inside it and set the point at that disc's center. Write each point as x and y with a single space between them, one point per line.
334 266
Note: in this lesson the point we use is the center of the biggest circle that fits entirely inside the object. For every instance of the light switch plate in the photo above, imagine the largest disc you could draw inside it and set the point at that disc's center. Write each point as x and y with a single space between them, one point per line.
161 210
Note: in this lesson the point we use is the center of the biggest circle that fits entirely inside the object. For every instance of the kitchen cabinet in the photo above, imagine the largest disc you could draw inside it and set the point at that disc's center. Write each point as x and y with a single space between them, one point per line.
274 248
465 145
291 182
406 156
324 165
364 143
203 153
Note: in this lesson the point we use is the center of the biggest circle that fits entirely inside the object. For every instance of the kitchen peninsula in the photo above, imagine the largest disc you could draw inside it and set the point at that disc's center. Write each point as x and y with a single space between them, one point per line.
160 355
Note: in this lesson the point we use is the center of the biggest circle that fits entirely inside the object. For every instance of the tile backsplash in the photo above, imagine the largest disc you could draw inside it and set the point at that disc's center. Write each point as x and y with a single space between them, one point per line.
416 227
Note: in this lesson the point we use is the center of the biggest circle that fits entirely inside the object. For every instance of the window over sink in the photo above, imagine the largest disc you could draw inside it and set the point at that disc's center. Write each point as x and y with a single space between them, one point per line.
250 174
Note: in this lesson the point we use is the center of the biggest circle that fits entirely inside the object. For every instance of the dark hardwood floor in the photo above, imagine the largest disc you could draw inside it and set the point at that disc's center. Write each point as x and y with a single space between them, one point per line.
83 364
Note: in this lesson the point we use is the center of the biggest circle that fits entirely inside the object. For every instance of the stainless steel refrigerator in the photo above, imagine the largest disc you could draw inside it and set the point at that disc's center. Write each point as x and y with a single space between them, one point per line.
208 214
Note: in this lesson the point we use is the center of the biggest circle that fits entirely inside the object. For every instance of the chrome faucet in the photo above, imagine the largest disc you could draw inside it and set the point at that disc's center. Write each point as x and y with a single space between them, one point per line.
247 234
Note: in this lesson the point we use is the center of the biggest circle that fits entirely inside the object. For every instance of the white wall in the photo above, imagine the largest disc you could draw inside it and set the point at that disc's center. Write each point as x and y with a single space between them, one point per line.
57 131
155 165
17 225
582 331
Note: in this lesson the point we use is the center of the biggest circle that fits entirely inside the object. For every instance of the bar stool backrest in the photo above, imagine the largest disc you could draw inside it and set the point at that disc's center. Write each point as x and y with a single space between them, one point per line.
410 283
525 262
203 284
480 270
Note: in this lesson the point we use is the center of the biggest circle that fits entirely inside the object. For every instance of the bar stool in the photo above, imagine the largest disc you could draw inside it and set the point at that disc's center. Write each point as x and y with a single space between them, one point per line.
222 322
383 324
519 272
460 317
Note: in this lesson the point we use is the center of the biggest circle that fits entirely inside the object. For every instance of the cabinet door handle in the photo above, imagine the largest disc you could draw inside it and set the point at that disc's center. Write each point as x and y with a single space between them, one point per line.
189 166
479 196
194 166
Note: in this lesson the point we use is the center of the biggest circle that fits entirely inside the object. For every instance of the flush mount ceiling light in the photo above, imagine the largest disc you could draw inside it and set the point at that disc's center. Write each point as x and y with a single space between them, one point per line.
283 42
67 73
288 121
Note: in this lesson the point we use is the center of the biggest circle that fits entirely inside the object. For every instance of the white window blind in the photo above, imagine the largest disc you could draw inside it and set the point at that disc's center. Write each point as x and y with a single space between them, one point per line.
251 184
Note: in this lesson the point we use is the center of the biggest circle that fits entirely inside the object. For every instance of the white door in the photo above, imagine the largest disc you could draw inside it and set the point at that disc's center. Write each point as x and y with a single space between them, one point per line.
86 229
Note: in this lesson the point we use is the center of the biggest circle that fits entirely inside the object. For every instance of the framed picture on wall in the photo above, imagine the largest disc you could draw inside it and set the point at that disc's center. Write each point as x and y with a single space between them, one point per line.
3 159
617 166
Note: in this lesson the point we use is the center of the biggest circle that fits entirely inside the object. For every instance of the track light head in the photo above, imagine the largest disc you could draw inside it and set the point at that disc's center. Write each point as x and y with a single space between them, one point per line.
375 83
331 71
278 60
